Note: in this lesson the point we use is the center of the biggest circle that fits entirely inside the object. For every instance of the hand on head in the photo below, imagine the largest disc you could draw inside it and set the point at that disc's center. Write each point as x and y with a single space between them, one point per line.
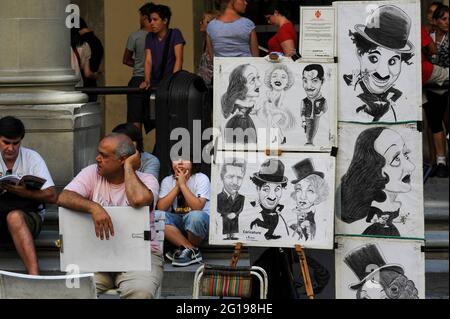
134 160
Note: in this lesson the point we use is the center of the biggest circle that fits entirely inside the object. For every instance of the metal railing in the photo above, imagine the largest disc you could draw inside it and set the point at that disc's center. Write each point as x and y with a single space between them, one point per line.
123 90
115 90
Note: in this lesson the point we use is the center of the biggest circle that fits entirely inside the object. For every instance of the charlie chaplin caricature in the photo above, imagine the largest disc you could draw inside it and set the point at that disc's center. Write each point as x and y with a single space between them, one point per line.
314 105
229 202
378 280
381 47
310 189
270 182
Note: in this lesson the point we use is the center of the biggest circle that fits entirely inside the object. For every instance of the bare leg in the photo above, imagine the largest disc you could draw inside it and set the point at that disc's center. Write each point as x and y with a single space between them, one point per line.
23 241
195 240
439 143
280 134
176 237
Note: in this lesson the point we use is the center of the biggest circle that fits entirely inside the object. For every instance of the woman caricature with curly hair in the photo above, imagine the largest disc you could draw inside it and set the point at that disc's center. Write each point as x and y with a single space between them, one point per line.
278 79
380 169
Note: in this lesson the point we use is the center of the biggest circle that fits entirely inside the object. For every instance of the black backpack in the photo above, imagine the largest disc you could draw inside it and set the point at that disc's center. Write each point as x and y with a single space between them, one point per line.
181 98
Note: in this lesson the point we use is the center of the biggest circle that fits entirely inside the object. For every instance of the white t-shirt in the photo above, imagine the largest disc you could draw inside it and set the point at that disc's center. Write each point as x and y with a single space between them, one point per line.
198 184
29 162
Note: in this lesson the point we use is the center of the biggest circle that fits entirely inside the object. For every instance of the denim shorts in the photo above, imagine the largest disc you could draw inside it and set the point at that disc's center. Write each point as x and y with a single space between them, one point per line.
196 222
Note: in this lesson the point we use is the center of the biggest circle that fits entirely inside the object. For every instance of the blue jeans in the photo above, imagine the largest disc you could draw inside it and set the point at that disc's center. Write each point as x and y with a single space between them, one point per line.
196 222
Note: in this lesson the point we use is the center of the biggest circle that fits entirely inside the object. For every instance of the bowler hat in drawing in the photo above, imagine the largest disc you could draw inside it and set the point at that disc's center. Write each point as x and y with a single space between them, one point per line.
388 26
366 261
303 169
271 171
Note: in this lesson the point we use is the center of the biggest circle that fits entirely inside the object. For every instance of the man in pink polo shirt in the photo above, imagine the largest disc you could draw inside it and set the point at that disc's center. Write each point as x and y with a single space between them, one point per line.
114 181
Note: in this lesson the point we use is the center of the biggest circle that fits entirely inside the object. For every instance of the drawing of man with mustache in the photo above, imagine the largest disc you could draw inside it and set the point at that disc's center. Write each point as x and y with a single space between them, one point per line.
314 105
381 47
270 182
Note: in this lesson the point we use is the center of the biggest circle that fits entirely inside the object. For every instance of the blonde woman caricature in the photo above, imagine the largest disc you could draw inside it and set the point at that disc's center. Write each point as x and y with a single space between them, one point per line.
278 79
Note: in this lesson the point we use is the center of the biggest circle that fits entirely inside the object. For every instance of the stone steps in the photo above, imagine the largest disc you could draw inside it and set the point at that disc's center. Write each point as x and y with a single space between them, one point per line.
178 281
435 239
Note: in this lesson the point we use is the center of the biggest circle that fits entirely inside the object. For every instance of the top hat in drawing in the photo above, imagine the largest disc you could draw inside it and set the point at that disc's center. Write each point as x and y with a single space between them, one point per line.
303 169
388 26
366 261
271 171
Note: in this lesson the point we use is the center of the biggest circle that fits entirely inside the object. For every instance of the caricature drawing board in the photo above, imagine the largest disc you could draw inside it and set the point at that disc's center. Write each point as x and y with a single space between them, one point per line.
362 78
274 113
259 226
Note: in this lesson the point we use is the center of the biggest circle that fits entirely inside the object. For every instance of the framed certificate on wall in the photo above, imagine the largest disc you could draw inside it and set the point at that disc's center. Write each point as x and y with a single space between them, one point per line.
317 33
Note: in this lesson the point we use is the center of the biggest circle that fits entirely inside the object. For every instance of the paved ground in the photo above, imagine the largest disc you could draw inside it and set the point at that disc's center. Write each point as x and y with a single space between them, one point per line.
436 199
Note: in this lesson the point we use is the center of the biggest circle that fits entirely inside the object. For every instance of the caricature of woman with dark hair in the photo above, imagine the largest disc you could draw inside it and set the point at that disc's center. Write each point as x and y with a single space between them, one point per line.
239 100
380 169
278 79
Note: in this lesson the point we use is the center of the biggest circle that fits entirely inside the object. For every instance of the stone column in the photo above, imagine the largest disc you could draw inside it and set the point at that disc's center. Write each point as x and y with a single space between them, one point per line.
37 86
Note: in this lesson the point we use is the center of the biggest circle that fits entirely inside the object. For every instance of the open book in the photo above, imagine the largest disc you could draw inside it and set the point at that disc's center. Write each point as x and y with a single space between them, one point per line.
31 181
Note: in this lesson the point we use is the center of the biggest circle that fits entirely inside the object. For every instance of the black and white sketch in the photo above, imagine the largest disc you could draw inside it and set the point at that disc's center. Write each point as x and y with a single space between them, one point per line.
380 190
284 199
385 85
270 183
239 101
310 189
229 202
260 104
379 269
278 79
314 105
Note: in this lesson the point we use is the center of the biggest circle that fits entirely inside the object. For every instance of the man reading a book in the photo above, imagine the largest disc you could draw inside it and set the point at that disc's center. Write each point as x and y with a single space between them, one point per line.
22 207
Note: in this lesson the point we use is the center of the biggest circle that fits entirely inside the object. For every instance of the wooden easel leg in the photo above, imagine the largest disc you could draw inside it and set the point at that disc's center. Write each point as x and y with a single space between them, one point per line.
305 271
236 255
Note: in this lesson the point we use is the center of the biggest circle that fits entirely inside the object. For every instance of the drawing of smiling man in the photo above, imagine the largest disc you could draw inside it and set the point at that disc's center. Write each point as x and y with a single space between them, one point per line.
270 182
381 47
229 202
314 105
